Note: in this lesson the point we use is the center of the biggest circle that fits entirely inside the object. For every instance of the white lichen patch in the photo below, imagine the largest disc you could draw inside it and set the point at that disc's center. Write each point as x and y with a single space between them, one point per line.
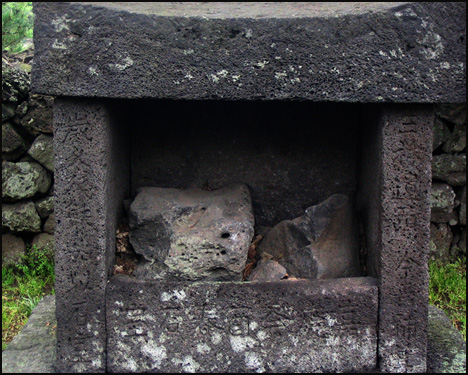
235 78
188 76
60 24
253 325
295 80
261 64
157 353
445 65
176 295
188 364
216 338
241 343
253 362
93 71
330 321
119 303
262 335
58 45
281 75
203 348
126 62
187 51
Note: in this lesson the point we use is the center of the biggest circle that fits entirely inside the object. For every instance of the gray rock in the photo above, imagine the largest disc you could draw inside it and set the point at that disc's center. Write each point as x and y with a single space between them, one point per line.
23 180
321 244
15 83
42 150
13 145
446 349
38 118
8 111
442 202
267 270
450 168
33 350
21 217
454 113
441 133
463 206
49 225
44 241
45 206
192 234
457 140
440 242
13 249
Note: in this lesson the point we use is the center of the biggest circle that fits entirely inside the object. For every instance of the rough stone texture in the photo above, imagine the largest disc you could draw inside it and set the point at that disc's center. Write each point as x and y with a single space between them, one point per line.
45 206
38 118
441 133
15 83
450 168
90 185
393 202
33 350
440 243
23 180
44 240
442 202
13 145
21 217
457 140
42 151
293 154
410 52
323 243
463 206
267 270
454 113
235 327
192 234
13 249
8 111
49 225
446 349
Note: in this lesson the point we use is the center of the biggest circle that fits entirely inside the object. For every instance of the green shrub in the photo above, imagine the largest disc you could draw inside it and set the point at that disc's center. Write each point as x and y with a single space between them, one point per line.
447 290
17 25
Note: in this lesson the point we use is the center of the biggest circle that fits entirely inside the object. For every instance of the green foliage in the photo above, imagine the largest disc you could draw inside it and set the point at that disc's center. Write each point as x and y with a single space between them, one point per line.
23 286
447 290
17 24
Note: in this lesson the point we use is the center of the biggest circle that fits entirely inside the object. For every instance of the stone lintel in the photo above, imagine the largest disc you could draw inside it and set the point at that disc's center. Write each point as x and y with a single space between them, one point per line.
341 52
286 326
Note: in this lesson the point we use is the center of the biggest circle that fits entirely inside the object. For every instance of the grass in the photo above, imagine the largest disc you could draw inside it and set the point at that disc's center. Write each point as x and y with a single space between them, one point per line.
447 290
23 286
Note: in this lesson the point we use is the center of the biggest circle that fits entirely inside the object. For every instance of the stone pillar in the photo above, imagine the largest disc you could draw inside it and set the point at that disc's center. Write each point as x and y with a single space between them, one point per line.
91 178
406 136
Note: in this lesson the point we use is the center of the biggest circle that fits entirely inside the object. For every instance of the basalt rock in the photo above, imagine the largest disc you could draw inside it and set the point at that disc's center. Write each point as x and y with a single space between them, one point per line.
321 244
192 234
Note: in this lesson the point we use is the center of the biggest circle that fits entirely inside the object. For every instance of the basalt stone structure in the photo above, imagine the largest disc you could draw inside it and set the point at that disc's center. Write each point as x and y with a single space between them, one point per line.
298 101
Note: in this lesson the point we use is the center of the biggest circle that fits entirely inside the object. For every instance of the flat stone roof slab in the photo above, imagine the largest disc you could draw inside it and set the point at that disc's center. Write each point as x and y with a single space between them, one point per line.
345 52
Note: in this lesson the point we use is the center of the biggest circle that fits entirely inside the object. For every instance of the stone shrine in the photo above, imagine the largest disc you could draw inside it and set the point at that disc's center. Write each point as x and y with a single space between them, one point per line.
298 102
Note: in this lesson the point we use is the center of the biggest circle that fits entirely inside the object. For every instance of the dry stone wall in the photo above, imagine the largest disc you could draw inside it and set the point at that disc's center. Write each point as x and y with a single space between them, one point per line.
28 169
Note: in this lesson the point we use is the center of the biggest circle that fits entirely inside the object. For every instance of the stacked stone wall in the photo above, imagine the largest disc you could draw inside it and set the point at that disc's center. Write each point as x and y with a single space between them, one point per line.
28 169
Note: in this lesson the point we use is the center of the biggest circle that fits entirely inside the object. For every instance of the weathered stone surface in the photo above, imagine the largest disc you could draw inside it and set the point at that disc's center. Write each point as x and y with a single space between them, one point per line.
440 243
324 243
192 234
33 350
463 206
44 241
252 50
23 180
267 270
450 168
441 133
454 113
446 349
38 118
21 217
13 145
442 202
15 82
42 151
457 140
49 225
319 325
45 206
8 111
13 249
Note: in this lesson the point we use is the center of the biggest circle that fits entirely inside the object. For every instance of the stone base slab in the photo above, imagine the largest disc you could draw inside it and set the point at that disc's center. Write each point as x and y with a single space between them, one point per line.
285 326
